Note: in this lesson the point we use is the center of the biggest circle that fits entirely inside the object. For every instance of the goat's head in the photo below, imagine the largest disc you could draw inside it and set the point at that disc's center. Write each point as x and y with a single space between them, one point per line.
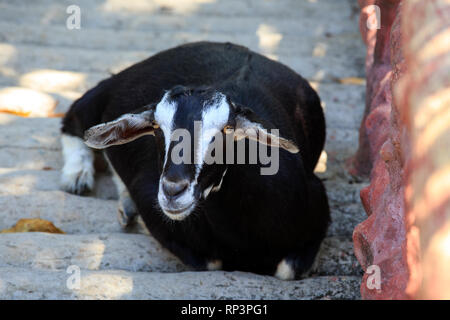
191 128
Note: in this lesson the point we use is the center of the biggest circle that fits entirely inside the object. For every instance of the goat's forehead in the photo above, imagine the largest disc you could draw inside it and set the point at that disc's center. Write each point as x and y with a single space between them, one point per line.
213 111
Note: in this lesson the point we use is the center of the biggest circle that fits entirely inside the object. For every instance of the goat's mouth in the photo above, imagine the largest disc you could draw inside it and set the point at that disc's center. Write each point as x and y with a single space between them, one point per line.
179 214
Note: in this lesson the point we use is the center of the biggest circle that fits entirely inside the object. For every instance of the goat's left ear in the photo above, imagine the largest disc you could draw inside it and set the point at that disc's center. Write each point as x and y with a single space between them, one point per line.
248 125
124 129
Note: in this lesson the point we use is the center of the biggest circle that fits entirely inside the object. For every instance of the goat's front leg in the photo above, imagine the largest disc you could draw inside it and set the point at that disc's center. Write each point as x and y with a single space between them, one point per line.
78 171
127 212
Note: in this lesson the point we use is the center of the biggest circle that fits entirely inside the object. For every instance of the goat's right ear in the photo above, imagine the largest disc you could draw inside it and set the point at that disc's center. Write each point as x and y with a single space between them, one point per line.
124 129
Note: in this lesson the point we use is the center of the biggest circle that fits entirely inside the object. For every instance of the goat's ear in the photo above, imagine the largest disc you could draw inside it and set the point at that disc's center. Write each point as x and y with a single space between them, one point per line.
248 125
124 129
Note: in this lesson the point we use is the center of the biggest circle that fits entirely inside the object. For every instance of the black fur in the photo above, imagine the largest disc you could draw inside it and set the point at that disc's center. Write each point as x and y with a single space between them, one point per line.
254 221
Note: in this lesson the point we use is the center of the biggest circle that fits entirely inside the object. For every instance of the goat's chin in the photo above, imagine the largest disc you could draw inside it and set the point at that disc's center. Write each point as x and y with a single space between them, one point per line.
179 215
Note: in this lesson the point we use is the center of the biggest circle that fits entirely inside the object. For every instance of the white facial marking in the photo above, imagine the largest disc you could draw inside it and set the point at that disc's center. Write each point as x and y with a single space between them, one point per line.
213 188
207 191
217 188
78 170
184 202
214 118
179 216
164 114
285 271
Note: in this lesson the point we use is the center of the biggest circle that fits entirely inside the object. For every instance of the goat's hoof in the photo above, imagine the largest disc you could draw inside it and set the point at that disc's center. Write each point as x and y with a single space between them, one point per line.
127 213
77 182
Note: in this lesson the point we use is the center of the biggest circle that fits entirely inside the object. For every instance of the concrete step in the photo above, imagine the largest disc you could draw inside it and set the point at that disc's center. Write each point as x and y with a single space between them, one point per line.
133 252
19 283
73 214
29 133
341 144
344 200
336 257
345 217
121 251
26 102
155 40
170 16
29 143
31 99
343 104
63 86
22 181
33 159
345 191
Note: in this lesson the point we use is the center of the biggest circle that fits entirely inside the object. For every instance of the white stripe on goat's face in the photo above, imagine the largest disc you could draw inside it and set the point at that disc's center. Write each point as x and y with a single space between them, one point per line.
214 118
183 111
164 115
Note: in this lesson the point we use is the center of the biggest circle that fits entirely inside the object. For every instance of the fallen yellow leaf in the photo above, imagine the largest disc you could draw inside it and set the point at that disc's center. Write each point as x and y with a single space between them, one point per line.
33 225
352 80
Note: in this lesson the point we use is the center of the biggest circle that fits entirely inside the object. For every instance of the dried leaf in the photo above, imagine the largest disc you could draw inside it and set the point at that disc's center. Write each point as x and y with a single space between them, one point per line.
33 225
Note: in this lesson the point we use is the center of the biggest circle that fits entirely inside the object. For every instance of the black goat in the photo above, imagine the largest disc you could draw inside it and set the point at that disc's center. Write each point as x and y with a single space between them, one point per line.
222 215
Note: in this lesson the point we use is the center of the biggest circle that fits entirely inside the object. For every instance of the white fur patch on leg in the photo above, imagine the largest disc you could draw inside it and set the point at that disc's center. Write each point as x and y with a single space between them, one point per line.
214 265
285 271
78 171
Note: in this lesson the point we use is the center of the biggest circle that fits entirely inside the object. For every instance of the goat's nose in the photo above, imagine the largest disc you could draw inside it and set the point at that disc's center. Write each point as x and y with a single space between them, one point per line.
173 189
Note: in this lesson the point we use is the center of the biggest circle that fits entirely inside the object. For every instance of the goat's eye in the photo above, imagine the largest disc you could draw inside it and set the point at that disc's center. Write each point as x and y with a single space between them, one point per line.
227 129
155 125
